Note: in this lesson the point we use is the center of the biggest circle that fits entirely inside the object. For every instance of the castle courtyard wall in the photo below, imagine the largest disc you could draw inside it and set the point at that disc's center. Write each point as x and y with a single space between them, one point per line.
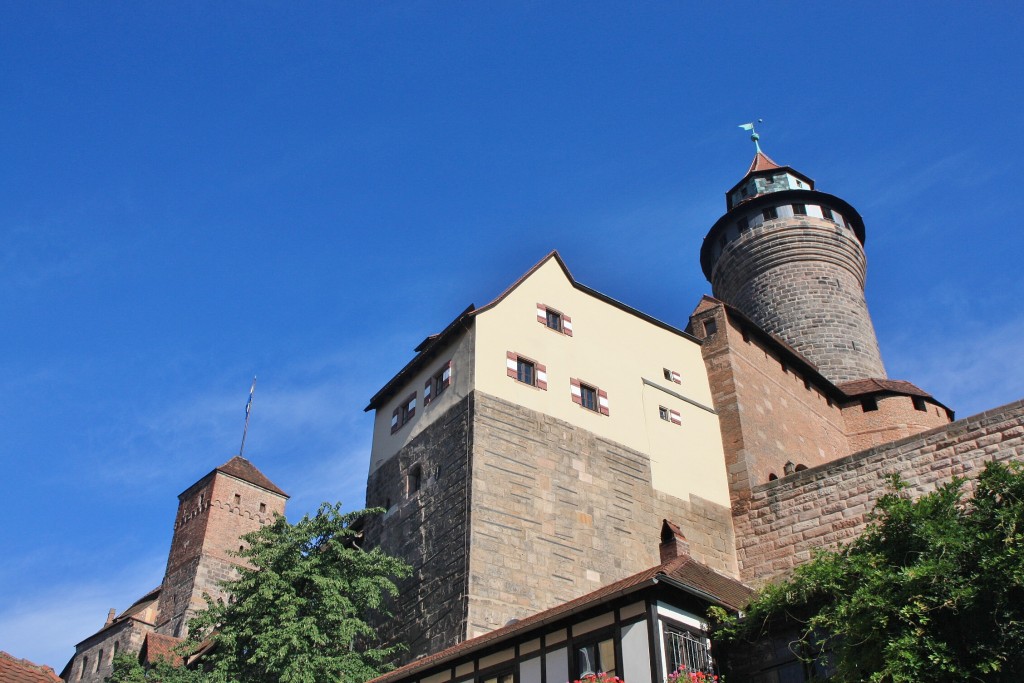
786 520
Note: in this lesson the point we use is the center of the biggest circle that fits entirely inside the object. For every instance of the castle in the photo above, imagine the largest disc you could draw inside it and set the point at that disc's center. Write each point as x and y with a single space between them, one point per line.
573 481
213 513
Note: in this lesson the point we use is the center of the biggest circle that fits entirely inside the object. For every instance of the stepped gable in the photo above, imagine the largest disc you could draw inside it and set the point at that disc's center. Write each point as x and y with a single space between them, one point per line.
14 670
682 572
241 468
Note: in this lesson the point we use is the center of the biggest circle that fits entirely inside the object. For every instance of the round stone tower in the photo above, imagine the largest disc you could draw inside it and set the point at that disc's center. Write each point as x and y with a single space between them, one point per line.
792 260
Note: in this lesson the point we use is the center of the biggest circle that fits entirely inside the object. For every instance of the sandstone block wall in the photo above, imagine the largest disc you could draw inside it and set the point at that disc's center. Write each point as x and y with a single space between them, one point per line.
896 418
212 515
827 505
428 529
769 412
802 279
559 512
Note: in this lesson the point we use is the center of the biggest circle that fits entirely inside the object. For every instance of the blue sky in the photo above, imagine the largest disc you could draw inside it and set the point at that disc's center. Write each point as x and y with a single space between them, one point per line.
198 192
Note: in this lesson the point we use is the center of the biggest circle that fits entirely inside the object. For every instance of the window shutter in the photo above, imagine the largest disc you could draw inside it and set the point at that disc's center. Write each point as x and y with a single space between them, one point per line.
511 360
446 375
411 407
426 391
394 421
542 314
567 325
676 377
577 395
674 416
542 376
602 401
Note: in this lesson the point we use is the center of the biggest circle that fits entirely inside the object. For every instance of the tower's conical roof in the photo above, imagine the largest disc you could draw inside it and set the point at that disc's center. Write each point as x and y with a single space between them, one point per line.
762 162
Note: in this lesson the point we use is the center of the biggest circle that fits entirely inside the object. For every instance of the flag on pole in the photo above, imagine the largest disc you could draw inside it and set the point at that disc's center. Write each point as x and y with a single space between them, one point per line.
248 404
747 126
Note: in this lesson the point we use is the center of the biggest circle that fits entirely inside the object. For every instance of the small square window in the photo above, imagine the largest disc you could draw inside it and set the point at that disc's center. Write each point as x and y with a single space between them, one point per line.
554 320
919 404
710 327
263 508
526 372
770 213
743 223
826 213
588 397
663 413
869 404
668 374
799 209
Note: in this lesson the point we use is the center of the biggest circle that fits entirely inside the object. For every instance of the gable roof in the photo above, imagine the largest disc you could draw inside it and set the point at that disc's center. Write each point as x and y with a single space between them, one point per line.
434 343
14 670
683 573
240 468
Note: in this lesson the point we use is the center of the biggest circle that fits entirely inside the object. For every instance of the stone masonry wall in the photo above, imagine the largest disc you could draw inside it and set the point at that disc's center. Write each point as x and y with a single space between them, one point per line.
802 279
769 414
427 528
896 418
212 515
827 505
559 512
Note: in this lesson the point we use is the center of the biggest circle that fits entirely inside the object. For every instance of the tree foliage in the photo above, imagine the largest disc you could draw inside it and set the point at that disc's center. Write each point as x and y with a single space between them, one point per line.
128 669
933 590
297 614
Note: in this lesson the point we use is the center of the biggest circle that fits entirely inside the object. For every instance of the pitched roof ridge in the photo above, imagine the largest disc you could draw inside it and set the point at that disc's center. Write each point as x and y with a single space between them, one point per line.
762 162
241 468
35 670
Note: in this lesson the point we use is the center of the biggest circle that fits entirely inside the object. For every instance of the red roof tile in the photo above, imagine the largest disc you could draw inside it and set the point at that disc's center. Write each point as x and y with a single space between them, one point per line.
761 162
14 670
243 469
685 570
158 646
859 387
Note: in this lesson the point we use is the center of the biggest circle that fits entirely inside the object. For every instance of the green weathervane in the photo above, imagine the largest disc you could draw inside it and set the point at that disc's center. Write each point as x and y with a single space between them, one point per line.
753 133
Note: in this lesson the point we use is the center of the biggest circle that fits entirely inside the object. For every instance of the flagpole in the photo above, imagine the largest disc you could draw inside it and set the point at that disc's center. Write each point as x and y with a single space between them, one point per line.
248 409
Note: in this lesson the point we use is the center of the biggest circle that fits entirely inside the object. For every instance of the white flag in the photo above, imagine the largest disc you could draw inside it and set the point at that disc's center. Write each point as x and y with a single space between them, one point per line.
747 126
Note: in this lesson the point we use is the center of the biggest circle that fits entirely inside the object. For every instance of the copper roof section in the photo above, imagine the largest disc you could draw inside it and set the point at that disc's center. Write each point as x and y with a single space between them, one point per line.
240 468
684 573
14 670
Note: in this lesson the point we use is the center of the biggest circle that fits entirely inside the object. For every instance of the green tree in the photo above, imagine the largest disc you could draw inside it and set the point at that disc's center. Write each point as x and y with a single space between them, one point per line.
299 613
127 669
933 590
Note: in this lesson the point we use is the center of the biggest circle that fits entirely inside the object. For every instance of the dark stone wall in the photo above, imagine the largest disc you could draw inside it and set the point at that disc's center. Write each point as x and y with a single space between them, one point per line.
428 529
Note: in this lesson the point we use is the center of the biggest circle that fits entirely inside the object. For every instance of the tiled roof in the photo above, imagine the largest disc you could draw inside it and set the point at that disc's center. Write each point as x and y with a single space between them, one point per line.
859 387
762 162
158 646
243 469
14 670
683 571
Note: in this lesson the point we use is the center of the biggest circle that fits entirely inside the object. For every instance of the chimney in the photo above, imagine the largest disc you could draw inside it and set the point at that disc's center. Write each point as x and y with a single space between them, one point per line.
110 616
673 543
